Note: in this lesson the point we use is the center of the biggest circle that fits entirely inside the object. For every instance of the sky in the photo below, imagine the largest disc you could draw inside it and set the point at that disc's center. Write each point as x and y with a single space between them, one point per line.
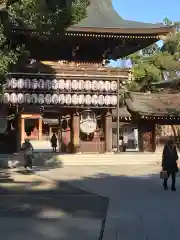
152 11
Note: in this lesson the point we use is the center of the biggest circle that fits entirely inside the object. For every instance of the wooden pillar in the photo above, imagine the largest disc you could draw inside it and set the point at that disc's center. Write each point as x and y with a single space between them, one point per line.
60 133
22 129
40 129
75 132
147 136
19 131
108 132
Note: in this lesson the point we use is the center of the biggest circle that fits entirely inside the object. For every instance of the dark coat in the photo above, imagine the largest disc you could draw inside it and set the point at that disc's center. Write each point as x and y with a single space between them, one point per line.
169 159
54 141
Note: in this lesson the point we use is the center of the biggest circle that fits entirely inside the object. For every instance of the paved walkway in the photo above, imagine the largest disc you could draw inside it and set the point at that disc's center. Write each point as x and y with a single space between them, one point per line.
34 207
139 208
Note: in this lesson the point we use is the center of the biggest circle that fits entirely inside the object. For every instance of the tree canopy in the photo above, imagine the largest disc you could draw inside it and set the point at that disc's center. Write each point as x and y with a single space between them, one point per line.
150 64
50 16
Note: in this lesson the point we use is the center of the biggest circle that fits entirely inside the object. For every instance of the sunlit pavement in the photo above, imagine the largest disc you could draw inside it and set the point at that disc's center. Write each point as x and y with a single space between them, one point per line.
33 207
139 208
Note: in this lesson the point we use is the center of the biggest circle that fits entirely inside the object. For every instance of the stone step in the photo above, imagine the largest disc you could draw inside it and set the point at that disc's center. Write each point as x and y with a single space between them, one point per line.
109 159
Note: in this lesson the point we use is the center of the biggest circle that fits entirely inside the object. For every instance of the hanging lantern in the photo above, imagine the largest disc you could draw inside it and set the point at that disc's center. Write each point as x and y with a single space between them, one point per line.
34 83
87 85
75 84
27 83
101 86
87 99
107 100
34 98
13 98
68 99
68 84
61 99
107 86
48 84
27 98
94 85
88 122
54 84
48 98
20 83
113 86
75 99
14 83
55 99
113 100
41 99
81 99
81 84
61 84
20 98
94 100
6 98
41 84
101 100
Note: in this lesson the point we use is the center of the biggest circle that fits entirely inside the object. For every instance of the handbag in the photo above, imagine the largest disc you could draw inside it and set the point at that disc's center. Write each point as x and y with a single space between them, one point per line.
163 175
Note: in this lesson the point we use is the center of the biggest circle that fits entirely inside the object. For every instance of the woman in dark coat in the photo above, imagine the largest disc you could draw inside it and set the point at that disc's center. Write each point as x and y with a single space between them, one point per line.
54 142
169 163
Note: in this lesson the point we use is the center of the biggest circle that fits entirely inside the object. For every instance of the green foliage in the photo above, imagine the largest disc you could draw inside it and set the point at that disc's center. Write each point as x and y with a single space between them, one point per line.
150 64
50 16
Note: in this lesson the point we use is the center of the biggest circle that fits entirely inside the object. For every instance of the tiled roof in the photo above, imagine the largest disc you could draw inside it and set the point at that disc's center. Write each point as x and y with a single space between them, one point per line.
153 104
102 15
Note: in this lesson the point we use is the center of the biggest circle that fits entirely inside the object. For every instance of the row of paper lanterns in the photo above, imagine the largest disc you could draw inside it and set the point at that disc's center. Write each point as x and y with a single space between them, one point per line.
68 99
61 84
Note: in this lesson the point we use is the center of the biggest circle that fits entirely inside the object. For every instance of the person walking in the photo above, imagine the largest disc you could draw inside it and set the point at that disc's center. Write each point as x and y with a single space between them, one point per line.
54 142
27 149
169 163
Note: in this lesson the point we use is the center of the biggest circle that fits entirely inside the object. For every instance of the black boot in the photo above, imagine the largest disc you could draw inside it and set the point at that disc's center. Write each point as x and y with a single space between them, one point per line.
165 185
173 189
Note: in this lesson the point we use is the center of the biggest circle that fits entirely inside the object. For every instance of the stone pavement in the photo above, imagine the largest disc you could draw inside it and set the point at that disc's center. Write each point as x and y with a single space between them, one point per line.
34 207
139 208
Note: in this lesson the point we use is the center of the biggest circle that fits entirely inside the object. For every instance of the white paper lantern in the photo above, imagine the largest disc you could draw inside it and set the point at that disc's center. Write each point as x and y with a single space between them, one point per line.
113 85
27 83
101 85
107 86
87 99
114 100
94 85
81 84
61 84
41 83
101 100
34 98
68 84
48 84
28 98
6 97
87 85
68 99
8 83
94 100
13 98
20 98
20 83
81 99
14 83
54 84
75 84
41 99
34 83
48 99
75 99
61 99
55 99
107 100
